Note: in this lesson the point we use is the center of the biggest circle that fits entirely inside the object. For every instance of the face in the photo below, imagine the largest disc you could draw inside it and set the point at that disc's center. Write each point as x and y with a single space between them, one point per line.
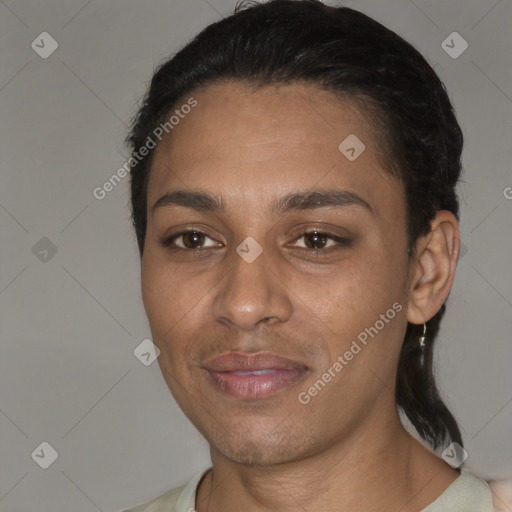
275 272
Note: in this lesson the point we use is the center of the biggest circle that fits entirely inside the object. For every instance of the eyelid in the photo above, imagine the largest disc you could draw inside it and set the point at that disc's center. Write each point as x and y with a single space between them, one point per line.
168 240
341 241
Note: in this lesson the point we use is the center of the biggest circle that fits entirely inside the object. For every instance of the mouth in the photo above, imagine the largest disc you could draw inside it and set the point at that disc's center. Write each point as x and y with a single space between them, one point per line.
253 376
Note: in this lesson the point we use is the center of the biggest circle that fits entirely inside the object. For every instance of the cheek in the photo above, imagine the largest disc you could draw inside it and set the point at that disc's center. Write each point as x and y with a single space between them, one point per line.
166 319
166 299
176 304
357 297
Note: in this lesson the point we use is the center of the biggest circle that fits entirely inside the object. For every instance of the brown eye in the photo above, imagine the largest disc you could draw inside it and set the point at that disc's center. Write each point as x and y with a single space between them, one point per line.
318 242
189 240
315 240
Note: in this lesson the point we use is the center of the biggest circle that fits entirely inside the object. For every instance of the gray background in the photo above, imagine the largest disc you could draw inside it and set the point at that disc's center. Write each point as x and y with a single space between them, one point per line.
71 321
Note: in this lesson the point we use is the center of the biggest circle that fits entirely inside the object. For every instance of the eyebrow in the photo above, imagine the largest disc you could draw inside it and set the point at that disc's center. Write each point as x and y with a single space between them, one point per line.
298 201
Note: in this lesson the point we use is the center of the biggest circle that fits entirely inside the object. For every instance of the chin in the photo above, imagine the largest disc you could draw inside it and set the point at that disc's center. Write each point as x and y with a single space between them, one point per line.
255 455
260 450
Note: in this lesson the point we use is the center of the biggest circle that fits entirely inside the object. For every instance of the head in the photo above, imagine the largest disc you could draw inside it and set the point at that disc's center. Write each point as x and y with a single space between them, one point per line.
252 130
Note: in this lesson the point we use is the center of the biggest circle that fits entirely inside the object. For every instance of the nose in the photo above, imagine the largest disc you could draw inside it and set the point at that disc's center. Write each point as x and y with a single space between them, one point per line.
252 293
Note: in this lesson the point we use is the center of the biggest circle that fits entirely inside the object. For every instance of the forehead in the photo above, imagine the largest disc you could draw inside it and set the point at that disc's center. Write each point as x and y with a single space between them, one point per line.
268 140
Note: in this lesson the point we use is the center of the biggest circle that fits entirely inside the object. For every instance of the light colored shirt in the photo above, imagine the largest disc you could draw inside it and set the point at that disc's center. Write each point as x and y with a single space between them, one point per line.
467 493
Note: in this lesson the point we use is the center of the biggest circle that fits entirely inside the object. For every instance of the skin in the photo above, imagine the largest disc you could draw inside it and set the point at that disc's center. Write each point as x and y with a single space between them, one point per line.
347 445
502 494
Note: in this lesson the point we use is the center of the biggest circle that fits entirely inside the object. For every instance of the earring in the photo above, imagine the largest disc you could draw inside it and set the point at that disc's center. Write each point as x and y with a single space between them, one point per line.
422 337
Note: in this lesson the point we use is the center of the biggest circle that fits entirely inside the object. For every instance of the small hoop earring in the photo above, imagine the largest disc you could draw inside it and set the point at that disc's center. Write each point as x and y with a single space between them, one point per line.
423 336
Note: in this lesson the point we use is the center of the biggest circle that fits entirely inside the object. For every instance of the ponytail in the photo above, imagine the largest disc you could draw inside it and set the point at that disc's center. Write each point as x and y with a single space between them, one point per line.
416 390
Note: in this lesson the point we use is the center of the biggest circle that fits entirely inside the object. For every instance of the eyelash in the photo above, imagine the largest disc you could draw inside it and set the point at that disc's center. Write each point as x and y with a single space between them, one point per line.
342 242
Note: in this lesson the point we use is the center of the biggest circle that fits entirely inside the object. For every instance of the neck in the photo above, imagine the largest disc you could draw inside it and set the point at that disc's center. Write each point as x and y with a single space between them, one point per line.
379 467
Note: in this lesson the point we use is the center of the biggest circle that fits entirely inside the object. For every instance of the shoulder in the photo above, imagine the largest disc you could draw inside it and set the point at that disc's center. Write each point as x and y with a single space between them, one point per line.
164 503
180 499
468 492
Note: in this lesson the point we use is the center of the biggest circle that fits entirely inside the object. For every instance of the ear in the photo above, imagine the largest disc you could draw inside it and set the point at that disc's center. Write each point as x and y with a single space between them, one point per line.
433 268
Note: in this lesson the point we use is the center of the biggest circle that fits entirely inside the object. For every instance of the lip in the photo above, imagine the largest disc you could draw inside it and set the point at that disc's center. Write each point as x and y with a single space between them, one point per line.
253 376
